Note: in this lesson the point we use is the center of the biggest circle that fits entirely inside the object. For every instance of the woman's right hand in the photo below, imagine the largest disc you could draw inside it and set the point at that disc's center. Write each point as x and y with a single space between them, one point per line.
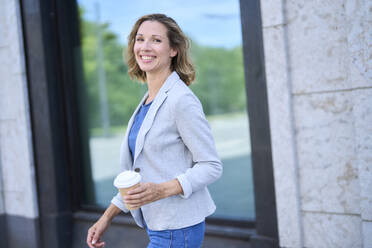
95 233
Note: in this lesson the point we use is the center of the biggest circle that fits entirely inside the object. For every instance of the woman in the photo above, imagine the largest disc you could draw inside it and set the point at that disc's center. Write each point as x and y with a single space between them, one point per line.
168 141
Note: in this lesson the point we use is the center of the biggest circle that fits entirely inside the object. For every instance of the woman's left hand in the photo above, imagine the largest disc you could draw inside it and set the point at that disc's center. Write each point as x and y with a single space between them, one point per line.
143 194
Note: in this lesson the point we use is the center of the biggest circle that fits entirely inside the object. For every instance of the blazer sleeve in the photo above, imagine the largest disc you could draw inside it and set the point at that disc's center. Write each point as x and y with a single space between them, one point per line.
118 201
196 134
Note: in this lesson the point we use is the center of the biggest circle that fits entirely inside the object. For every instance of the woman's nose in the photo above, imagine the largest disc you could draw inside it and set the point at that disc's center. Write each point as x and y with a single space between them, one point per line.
146 45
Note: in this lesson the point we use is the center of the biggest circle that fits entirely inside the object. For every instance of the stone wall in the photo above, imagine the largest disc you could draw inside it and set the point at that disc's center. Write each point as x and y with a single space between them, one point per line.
18 200
319 77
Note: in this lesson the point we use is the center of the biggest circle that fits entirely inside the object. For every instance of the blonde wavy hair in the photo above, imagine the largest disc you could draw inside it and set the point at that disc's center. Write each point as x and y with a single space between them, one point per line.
181 63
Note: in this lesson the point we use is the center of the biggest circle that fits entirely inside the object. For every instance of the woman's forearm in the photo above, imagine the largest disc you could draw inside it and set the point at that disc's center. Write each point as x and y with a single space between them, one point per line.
111 212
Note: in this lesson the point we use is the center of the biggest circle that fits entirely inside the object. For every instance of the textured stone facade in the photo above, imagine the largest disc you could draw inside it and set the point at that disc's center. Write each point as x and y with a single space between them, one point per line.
17 169
319 67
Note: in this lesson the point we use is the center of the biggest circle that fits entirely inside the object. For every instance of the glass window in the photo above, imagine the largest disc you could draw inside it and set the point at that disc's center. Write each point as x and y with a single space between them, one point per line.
215 31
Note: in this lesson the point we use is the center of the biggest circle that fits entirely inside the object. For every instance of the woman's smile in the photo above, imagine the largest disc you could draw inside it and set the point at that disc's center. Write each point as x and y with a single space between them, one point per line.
147 58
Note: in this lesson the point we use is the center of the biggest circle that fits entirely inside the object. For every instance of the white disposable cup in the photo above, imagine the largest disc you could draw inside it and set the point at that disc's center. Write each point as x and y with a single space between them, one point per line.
126 181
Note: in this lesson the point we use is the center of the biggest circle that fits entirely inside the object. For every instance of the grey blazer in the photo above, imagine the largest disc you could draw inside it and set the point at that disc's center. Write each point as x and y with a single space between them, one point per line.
174 141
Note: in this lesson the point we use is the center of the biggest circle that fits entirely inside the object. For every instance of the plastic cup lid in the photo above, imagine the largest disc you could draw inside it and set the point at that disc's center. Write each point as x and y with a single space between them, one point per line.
127 179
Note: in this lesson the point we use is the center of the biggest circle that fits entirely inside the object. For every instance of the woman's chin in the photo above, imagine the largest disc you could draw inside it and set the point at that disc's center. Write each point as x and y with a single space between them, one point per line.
146 68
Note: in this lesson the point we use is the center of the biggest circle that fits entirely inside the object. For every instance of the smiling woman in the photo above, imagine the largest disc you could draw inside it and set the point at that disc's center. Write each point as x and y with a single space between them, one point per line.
173 196
219 85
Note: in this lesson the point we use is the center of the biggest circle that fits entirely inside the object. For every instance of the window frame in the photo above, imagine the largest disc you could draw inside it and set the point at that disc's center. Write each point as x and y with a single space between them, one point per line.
259 122
51 34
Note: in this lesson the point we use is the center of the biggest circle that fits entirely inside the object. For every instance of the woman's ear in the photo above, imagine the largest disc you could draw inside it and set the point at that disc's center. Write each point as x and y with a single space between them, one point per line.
173 52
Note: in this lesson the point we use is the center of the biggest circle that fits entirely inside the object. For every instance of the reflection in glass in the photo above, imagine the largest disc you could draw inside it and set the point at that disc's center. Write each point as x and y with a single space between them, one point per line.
214 28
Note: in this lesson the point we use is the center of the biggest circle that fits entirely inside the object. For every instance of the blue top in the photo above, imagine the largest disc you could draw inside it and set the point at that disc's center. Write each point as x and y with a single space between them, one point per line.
136 127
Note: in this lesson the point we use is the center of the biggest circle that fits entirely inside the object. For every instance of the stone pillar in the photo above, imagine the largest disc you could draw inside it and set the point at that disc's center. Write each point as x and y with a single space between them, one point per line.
319 77
18 199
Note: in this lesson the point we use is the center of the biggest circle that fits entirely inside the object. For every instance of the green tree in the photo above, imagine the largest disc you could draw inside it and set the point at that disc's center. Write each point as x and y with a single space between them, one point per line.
220 79
123 94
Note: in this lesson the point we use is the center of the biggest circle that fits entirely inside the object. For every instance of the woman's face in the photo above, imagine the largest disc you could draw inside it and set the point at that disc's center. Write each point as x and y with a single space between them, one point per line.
151 48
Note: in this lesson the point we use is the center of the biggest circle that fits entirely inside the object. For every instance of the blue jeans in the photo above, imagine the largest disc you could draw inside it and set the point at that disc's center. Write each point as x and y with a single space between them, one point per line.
188 237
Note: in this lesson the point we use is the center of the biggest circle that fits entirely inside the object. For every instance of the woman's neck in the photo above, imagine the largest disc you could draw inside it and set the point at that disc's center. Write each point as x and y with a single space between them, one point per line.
154 83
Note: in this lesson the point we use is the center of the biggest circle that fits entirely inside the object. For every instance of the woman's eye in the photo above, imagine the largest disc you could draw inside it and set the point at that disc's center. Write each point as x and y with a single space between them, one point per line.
139 39
157 40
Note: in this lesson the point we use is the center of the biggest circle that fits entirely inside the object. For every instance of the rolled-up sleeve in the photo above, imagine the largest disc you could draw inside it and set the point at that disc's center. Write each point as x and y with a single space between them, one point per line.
197 137
186 186
118 201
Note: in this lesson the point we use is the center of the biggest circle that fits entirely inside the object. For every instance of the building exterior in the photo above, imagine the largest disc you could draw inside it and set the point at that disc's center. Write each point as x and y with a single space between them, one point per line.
315 59
318 68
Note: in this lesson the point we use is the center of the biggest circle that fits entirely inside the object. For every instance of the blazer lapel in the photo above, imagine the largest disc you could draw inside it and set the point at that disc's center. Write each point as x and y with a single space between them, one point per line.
150 116
126 161
147 122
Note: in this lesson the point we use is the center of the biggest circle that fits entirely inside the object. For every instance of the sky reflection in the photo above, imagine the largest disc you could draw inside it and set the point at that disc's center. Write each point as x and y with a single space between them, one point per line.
209 22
